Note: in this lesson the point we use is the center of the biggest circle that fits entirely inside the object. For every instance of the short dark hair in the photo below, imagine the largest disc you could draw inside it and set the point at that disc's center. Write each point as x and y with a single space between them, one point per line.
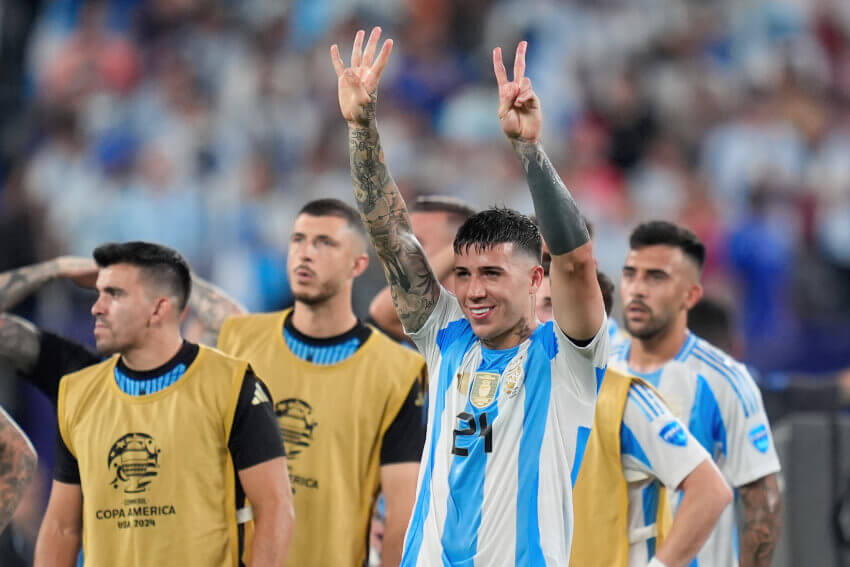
164 265
458 209
607 288
335 208
712 320
662 232
494 226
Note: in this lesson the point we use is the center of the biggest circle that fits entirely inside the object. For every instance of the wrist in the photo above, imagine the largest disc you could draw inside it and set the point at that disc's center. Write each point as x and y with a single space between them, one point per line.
655 563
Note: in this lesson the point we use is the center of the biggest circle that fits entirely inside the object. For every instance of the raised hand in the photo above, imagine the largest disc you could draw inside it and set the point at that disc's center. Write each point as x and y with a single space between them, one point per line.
81 271
519 108
358 84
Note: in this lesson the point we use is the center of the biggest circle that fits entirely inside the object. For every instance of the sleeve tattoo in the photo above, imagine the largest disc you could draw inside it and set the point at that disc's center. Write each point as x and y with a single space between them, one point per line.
212 307
16 285
413 285
17 467
20 342
762 521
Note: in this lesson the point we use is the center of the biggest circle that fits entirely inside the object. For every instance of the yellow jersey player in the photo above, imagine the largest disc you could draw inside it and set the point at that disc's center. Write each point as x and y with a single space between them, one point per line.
166 439
348 398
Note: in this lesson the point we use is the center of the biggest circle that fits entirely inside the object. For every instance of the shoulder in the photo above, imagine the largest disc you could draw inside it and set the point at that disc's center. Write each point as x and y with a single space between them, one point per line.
253 320
723 374
397 353
90 373
241 329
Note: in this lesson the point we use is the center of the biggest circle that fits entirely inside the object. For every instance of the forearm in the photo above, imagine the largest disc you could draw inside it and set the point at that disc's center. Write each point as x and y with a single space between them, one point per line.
273 528
382 311
19 342
762 521
706 495
393 542
56 547
17 467
413 285
558 216
16 285
212 307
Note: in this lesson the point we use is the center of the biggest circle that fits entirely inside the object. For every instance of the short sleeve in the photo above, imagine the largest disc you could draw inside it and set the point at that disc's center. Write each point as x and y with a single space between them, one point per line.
750 452
57 357
255 436
405 437
445 312
583 366
654 442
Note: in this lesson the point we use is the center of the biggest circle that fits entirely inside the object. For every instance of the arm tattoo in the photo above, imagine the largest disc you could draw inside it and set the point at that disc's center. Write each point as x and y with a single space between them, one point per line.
561 223
413 285
20 342
16 285
212 307
17 467
762 521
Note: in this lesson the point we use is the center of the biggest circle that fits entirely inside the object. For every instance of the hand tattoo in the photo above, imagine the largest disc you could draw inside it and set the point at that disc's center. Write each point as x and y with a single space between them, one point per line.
413 285
762 521
17 467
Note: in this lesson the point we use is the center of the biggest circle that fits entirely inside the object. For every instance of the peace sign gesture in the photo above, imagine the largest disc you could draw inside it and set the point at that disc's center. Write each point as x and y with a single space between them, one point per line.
519 108
358 84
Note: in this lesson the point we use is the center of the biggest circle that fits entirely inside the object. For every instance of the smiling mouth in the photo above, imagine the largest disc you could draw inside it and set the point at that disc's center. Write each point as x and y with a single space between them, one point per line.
480 312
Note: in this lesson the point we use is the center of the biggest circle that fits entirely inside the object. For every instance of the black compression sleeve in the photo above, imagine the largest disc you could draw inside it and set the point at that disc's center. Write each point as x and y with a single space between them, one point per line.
405 438
66 468
57 356
255 436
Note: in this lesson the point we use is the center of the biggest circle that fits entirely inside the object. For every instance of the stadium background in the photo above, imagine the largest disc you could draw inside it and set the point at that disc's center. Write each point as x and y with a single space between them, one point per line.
204 124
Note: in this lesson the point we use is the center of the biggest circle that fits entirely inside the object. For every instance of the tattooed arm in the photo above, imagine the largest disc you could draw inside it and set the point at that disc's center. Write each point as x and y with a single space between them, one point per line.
413 285
20 342
17 467
762 521
212 307
16 285
576 298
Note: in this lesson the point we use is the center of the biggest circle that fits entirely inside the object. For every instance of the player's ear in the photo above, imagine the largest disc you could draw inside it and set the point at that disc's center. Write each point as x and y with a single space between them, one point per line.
361 262
693 295
536 279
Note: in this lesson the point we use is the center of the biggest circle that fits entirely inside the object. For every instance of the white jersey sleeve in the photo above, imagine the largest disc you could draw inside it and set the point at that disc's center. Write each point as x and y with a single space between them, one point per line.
654 443
445 312
750 453
582 366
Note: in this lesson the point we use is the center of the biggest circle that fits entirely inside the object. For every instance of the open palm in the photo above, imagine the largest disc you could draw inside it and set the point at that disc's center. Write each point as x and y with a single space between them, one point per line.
519 108
358 84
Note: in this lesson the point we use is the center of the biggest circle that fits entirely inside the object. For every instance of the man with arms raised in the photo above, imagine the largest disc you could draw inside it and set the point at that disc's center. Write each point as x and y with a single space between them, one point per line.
715 396
166 439
511 401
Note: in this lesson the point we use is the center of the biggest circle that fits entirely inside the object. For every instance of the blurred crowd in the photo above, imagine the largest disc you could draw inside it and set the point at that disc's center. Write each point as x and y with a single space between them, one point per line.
204 124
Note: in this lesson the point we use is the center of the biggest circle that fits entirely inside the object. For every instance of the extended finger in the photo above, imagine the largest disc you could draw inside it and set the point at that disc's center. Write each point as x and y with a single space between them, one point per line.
371 46
380 63
339 66
357 50
519 61
499 67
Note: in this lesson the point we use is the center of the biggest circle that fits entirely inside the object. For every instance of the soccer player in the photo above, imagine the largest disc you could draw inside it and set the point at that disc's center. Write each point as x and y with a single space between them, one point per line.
511 400
435 220
17 466
637 448
166 439
347 397
717 397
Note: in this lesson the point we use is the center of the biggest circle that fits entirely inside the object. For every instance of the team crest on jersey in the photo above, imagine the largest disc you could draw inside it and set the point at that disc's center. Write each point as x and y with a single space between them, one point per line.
674 434
759 438
134 459
484 388
296 425
514 376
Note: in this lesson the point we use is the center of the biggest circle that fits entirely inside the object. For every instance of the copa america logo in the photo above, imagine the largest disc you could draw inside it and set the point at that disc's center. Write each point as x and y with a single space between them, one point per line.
134 460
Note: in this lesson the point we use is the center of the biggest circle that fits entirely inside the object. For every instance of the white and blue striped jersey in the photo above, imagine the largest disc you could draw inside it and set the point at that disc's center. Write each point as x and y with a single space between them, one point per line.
655 449
718 400
506 434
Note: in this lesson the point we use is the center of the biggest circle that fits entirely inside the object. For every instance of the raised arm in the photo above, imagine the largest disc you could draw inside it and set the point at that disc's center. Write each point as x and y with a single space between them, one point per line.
761 505
413 285
211 306
17 467
16 285
576 298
